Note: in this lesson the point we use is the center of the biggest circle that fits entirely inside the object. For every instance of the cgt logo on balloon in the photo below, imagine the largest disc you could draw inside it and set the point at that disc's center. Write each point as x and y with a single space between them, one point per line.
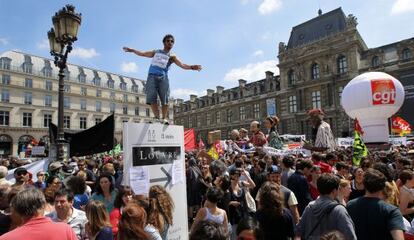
383 91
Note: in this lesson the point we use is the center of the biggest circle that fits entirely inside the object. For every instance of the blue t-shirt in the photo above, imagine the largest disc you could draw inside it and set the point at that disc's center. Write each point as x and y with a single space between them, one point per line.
80 200
160 63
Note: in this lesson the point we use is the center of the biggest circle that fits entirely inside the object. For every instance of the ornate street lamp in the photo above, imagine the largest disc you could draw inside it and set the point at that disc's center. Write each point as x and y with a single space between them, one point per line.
64 32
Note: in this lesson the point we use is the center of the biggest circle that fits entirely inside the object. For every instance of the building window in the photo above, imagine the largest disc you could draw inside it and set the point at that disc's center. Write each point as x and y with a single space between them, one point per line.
83 104
242 112
66 88
97 81
208 119
229 114
98 93
98 120
125 109
147 112
28 98
82 122
136 111
98 106
375 62
27 67
5 63
198 118
125 97
256 111
340 90
5 79
28 82
406 54
4 118
47 119
48 100
112 107
112 95
122 85
66 122
66 102
293 107
5 95
342 64
315 71
81 78
27 119
316 99
218 117
134 88
291 78
137 99
83 91
110 83
48 85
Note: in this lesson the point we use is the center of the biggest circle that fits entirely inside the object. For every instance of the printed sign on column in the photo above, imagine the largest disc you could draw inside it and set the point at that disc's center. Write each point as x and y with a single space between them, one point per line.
154 155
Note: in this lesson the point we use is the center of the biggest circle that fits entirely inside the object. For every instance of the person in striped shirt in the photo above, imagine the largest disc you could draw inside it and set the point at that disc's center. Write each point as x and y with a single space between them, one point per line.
322 136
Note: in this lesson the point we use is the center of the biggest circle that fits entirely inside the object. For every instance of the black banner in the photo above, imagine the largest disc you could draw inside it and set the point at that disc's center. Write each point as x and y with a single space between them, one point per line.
154 155
406 111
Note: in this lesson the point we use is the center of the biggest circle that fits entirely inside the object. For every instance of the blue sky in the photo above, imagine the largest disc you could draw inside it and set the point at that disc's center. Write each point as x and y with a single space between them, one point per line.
231 39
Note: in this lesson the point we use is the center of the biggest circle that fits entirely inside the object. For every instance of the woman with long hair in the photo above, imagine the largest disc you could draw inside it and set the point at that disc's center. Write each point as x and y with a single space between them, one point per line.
273 138
344 191
160 210
132 223
98 226
275 220
122 198
357 184
105 192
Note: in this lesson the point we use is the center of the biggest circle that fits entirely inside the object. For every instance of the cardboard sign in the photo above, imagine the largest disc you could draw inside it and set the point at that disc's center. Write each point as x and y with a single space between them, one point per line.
214 136
154 155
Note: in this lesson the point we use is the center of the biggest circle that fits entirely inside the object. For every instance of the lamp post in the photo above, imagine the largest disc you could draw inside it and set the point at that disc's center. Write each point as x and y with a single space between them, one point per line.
64 32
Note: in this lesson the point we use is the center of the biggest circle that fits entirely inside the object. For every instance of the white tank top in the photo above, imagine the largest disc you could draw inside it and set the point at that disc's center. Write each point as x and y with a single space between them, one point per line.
215 218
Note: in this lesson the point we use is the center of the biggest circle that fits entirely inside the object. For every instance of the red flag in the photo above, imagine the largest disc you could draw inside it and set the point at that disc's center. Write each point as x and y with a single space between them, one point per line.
189 139
400 126
358 127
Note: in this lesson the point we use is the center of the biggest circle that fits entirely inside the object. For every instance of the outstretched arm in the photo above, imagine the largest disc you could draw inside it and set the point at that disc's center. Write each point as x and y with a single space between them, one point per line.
148 54
185 66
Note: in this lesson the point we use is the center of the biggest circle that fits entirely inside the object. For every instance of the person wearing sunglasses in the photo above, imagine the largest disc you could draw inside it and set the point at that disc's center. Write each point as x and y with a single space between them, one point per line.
22 177
157 82
40 183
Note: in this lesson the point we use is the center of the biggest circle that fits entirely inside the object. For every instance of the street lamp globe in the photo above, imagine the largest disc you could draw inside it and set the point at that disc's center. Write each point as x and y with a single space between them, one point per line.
55 46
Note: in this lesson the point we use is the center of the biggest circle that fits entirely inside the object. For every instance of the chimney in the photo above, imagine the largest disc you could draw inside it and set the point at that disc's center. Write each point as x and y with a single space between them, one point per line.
242 83
210 92
269 75
193 98
220 89
179 101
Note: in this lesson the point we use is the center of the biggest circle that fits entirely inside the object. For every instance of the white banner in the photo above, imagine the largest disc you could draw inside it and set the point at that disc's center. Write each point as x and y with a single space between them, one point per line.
154 154
349 142
38 150
33 168
397 141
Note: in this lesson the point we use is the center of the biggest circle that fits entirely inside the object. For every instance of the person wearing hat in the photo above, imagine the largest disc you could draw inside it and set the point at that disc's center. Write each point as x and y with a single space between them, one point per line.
322 136
22 177
54 169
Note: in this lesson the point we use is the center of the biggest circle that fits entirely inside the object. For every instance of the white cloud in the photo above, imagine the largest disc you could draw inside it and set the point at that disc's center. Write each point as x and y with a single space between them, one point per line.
129 67
269 6
244 2
44 44
4 41
184 93
402 6
258 53
252 71
84 53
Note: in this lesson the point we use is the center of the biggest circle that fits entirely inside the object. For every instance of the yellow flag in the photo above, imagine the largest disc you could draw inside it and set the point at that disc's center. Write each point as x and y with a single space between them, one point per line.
360 150
213 152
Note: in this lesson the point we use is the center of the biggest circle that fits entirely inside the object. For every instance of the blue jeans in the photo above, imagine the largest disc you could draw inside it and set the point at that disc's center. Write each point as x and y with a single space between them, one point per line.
157 86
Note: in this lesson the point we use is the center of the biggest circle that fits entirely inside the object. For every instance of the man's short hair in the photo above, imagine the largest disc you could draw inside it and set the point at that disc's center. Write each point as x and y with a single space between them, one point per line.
331 156
374 180
305 163
208 230
288 161
65 193
326 183
166 37
341 165
28 202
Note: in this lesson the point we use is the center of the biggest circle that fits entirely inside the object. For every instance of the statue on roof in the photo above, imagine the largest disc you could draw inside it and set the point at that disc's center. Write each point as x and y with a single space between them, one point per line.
282 47
351 21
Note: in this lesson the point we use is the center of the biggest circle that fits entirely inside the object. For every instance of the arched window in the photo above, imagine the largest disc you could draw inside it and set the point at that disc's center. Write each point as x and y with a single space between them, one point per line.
406 54
375 62
291 78
315 72
342 64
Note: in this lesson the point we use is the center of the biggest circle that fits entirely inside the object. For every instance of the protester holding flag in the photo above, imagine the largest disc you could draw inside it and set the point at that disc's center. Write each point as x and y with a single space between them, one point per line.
360 150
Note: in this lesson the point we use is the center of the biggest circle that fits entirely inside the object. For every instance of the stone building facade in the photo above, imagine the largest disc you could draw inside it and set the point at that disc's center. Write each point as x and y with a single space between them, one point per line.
320 58
29 99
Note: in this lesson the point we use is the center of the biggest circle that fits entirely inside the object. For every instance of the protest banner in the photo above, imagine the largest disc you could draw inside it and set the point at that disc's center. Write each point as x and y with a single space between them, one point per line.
33 168
154 155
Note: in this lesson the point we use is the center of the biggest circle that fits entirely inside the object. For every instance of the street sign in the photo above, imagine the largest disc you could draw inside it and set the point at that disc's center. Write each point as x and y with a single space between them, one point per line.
154 155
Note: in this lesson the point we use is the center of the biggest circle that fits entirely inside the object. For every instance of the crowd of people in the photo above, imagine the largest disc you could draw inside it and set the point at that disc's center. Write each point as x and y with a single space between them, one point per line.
245 194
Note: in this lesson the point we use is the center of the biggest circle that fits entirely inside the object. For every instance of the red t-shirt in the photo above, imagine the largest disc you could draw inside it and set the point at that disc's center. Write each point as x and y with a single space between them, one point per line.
41 228
325 168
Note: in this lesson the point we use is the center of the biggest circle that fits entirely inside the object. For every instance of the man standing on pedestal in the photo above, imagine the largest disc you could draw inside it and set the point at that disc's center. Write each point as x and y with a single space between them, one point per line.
322 137
157 81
